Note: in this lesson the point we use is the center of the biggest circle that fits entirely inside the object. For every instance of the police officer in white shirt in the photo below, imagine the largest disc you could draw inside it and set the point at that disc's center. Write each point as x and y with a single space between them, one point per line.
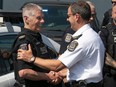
84 56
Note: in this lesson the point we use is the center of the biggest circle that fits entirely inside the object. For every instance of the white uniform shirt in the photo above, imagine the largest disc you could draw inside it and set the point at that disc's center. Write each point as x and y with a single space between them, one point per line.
86 61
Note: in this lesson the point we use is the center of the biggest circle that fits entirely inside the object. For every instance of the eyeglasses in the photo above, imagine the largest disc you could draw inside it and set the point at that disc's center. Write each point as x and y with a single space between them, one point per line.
113 2
68 16
93 15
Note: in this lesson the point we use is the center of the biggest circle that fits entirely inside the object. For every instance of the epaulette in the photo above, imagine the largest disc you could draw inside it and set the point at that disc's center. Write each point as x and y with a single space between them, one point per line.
22 37
69 38
103 27
72 46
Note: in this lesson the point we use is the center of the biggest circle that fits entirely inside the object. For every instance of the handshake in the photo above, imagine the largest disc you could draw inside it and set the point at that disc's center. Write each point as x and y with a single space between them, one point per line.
55 77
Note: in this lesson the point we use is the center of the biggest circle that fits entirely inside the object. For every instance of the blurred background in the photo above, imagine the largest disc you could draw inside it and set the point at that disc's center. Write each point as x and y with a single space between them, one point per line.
101 5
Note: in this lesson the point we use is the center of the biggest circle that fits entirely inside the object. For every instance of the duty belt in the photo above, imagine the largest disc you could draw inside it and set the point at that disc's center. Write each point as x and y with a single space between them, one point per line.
82 83
74 83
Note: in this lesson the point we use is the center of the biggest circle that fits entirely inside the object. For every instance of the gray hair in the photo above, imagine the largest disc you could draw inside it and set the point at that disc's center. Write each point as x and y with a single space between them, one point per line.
28 9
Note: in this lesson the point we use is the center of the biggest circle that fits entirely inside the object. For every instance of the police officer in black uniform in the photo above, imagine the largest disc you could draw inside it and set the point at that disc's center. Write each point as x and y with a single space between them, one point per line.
27 74
107 14
108 36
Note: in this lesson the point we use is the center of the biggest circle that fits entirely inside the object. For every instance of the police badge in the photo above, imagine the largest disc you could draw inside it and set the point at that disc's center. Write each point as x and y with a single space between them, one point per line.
68 37
71 47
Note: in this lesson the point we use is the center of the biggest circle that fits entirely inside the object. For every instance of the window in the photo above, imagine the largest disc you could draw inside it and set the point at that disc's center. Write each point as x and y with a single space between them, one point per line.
55 17
6 64
14 18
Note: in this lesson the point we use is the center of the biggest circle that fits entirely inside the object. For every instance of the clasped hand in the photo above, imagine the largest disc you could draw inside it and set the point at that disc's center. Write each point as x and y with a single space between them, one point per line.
54 77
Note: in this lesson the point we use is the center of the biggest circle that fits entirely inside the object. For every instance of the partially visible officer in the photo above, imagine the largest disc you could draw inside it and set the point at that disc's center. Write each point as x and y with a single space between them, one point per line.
108 35
107 14
94 23
27 74
84 56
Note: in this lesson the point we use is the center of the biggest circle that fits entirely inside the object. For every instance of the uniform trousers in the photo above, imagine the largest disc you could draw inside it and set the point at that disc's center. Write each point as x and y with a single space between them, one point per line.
109 81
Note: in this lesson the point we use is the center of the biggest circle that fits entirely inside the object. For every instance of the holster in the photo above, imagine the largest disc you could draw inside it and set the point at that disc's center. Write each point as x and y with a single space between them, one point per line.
17 84
80 83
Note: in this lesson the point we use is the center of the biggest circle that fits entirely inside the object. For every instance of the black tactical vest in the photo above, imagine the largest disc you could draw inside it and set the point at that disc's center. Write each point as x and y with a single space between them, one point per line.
111 40
111 45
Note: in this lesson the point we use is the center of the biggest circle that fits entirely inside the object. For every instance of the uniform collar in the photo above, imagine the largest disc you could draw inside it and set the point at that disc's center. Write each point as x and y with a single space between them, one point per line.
32 33
81 30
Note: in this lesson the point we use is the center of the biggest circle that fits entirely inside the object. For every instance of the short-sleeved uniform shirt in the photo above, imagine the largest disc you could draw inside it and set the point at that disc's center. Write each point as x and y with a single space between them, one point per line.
38 49
84 57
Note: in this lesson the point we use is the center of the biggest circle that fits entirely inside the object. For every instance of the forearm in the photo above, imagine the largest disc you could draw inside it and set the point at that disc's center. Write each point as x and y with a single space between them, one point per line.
110 61
47 63
26 55
33 75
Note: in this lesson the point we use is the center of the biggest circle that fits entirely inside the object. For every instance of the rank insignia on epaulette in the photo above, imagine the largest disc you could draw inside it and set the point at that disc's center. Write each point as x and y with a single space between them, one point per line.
71 47
68 37
104 27
22 36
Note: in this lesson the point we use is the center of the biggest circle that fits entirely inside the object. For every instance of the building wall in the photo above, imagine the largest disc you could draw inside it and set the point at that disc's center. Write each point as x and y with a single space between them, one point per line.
101 5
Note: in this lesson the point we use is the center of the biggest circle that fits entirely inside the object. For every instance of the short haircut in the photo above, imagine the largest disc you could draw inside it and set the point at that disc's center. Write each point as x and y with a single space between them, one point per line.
28 9
82 8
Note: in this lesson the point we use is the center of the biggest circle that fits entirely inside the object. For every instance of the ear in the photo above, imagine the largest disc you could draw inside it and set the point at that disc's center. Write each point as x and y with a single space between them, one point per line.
26 19
77 16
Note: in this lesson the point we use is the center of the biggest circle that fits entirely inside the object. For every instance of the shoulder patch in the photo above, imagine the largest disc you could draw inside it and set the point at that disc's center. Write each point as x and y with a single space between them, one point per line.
71 47
22 36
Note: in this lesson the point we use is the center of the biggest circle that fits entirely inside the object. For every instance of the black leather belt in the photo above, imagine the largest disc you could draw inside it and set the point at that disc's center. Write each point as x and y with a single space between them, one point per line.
82 83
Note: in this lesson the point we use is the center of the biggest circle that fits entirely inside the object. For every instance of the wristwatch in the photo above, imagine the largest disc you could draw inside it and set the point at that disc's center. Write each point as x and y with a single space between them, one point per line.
32 59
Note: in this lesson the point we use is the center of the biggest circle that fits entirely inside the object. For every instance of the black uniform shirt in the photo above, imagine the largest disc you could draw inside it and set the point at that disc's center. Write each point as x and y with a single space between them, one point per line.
107 36
38 49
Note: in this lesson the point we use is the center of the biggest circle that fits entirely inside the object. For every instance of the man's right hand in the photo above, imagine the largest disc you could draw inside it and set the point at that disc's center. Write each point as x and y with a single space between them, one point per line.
54 77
